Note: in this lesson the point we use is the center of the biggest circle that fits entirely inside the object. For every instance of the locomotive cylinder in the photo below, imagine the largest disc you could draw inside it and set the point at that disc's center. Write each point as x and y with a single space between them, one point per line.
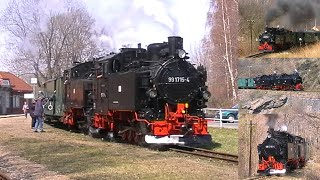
175 43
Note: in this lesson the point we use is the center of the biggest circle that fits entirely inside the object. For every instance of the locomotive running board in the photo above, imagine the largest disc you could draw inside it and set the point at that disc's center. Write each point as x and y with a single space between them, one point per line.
173 139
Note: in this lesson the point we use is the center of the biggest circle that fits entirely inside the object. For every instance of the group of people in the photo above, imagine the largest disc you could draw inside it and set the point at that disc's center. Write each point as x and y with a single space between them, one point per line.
36 113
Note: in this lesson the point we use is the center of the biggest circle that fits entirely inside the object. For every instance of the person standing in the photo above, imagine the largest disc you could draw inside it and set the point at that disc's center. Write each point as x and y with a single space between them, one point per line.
25 109
38 113
31 112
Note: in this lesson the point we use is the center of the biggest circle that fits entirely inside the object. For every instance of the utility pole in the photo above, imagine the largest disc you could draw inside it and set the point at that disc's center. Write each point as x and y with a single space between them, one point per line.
250 148
249 70
251 22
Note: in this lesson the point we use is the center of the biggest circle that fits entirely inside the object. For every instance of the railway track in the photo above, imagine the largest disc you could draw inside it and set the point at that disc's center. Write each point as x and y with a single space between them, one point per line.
257 177
11 116
257 55
205 153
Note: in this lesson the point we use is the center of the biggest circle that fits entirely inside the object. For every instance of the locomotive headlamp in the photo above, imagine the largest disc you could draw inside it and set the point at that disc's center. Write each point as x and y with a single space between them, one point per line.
182 53
152 93
269 136
186 105
206 95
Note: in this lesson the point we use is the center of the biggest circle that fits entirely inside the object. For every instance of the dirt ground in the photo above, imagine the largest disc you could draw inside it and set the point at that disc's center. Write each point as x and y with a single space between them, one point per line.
59 154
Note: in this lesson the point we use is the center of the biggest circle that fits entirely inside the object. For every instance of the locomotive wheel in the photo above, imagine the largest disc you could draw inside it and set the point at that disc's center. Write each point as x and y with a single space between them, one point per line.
137 138
131 136
85 127
125 136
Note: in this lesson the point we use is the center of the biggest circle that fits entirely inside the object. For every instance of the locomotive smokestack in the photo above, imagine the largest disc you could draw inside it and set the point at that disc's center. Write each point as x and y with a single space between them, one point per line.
139 45
175 43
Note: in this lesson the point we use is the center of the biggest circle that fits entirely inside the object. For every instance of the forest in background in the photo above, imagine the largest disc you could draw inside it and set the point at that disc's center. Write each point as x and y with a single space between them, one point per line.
220 52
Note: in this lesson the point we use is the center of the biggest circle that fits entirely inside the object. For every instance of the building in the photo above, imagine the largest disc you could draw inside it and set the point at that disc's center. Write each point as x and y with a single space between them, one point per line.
12 90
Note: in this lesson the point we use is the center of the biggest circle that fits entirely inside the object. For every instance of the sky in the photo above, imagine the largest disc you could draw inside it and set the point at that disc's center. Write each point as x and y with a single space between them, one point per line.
140 21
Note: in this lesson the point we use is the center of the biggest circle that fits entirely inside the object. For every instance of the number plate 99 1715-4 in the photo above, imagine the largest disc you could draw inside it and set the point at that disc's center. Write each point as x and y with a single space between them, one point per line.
178 79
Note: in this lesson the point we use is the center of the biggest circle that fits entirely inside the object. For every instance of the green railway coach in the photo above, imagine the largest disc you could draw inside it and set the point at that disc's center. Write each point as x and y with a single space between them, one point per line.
246 83
54 108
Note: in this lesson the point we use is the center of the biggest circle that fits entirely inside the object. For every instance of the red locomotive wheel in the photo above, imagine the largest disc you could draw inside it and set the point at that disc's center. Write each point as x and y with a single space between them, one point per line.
131 136
125 136
137 138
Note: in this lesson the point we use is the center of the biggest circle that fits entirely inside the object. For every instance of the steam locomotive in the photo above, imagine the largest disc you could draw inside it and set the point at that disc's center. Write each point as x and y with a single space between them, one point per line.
277 39
273 82
280 152
141 96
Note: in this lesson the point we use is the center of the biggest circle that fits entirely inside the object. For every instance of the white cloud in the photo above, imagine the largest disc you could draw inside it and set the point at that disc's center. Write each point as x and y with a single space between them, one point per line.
140 21
148 21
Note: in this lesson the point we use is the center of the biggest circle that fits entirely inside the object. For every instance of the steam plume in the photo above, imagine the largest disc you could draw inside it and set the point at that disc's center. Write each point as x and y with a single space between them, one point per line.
293 12
272 120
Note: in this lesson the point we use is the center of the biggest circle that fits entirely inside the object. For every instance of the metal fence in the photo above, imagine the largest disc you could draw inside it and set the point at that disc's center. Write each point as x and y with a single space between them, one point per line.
214 114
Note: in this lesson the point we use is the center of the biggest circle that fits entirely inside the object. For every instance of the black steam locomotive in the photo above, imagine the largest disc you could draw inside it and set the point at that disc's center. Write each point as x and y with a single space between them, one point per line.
277 39
152 95
280 152
273 82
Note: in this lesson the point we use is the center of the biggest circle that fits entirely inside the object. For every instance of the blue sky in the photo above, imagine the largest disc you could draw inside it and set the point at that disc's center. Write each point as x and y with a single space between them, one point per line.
141 21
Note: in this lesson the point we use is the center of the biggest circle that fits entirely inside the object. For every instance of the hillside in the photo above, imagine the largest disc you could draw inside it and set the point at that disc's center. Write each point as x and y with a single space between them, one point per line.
310 51
279 102
308 69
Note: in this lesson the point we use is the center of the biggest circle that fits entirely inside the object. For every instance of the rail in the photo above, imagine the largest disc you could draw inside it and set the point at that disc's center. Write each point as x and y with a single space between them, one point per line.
205 153
10 116
215 114
257 55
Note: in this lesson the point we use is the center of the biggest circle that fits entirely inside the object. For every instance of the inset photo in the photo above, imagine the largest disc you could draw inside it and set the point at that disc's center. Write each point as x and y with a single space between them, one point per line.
279 145
279 29
283 86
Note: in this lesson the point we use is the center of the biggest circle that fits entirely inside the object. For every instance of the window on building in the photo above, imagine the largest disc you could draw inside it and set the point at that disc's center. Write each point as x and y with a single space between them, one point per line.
4 82
16 101
7 100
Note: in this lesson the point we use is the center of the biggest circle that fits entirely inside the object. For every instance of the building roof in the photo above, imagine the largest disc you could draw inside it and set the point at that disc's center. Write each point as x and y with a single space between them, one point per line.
17 84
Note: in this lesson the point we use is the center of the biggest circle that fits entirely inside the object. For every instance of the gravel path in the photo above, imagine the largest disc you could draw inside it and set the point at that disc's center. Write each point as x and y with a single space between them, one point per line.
18 168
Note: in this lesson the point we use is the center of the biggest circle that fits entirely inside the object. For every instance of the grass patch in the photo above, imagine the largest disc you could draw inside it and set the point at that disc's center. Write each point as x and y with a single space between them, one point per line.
104 160
309 51
225 140
74 159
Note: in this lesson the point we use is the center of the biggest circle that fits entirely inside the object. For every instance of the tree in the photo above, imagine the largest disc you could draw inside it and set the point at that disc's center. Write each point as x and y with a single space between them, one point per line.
47 43
221 49
251 10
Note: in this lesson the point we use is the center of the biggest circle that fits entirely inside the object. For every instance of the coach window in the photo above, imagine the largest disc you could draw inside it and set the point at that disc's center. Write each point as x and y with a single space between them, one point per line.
106 69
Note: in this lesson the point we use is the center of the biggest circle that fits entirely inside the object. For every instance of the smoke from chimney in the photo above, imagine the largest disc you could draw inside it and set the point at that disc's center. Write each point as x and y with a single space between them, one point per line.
293 13
272 120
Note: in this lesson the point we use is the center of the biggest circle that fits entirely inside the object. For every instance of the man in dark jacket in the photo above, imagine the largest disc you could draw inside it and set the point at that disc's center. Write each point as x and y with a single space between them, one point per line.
38 112
32 108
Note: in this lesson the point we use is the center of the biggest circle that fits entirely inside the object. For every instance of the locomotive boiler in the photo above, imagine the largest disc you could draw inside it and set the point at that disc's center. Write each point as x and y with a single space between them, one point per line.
152 96
281 152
